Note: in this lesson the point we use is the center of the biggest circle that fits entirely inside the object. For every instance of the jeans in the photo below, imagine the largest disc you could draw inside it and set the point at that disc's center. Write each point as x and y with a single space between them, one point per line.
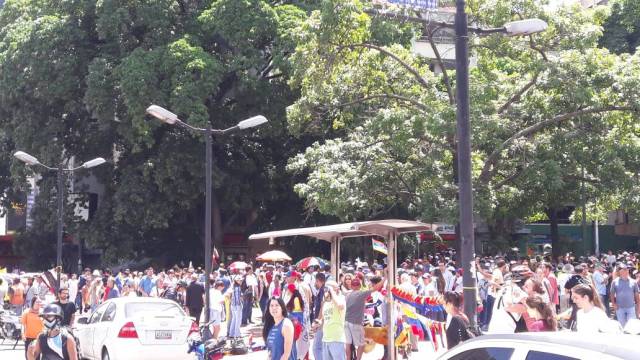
234 324
317 345
605 302
482 317
624 315
489 310
246 309
333 351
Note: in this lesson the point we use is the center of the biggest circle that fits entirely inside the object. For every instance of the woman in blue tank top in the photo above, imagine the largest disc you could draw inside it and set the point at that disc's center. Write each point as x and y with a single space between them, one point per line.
278 331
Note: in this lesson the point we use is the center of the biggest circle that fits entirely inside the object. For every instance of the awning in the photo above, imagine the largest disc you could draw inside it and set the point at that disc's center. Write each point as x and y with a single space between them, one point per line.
339 231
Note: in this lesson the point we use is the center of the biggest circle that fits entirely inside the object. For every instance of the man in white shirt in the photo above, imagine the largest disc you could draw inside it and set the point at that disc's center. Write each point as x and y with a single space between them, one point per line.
495 284
447 274
250 292
508 307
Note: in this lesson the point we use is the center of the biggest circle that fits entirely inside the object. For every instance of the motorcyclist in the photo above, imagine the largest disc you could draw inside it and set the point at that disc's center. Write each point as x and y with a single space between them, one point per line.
54 343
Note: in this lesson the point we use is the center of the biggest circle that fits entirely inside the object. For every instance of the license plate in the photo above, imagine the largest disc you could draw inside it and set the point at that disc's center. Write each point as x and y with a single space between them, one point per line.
163 335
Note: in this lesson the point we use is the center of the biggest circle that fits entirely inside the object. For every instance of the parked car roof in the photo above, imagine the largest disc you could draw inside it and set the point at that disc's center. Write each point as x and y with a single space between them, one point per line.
620 345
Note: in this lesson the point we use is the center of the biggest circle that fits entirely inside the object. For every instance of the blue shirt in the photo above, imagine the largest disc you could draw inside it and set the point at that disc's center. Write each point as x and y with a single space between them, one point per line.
146 284
625 292
275 343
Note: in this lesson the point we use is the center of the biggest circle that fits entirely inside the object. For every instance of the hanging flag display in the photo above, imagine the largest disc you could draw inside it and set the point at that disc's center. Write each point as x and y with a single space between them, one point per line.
426 306
379 246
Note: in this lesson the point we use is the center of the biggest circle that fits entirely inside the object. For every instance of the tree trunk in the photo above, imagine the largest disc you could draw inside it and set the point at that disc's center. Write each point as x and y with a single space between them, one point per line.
555 236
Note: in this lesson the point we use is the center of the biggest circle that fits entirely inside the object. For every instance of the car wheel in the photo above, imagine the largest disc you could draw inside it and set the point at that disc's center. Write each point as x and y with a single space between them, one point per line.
105 355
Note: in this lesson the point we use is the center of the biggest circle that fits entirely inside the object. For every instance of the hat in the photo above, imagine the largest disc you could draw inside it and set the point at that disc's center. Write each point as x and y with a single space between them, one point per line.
622 266
293 273
96 273
291 287
426 275
567 268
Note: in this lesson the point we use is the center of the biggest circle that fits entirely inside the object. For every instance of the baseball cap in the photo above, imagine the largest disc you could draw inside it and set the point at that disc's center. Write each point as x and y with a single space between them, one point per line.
293 273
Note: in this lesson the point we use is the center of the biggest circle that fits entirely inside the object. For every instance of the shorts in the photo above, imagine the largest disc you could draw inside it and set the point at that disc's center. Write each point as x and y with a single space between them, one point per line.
215 317
354 334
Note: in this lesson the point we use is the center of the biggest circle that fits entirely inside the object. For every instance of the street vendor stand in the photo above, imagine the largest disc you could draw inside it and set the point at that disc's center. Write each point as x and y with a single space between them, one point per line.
388 229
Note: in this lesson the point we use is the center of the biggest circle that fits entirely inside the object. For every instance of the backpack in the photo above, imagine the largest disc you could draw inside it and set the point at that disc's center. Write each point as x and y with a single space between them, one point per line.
521 325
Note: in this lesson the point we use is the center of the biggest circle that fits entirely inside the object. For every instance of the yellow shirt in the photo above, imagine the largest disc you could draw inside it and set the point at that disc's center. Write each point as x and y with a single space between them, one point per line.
31 324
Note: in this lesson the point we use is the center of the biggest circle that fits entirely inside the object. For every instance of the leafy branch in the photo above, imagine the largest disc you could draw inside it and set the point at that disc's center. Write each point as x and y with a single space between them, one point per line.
493 159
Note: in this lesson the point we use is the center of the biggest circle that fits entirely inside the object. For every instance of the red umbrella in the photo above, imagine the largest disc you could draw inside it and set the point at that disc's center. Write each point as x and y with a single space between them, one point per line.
311 261
238 265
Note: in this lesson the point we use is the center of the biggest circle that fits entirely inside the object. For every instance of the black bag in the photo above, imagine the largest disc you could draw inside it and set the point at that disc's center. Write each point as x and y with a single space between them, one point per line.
238 347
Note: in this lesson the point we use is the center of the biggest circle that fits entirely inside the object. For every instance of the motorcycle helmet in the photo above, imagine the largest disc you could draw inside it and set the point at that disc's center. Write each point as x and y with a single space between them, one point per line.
52 309
520 273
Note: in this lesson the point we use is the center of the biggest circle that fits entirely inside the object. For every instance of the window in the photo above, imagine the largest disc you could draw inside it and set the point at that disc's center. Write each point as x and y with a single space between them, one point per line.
96 315
492 353
109 313
539 355
163 308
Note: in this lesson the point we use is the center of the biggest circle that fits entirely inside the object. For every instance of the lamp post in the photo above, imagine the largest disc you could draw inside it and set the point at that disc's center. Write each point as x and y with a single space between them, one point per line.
31 160
465 189
170 118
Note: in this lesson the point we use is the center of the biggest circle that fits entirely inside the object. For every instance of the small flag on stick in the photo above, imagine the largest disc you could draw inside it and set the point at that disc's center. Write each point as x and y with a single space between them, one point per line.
379 246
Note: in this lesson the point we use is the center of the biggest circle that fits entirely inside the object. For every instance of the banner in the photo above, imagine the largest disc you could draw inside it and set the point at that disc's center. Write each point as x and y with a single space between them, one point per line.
416 4
379 246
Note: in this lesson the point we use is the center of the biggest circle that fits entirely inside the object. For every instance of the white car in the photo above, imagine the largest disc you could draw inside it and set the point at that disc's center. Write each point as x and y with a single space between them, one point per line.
135 328
563 345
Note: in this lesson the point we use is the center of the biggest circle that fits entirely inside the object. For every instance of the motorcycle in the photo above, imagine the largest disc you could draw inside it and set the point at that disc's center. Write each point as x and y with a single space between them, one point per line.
211 349
10 327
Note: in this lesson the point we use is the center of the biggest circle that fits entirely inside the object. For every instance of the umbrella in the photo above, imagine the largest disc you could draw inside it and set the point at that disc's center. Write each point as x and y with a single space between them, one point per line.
238 265
311 261
274 255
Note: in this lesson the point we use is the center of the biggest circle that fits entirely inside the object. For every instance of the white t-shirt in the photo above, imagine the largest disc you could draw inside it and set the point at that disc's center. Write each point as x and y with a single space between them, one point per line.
448 280
501 321
590 322
216 299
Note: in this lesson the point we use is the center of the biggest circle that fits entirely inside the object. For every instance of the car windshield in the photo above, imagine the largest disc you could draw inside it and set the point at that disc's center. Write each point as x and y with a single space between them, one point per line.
160 308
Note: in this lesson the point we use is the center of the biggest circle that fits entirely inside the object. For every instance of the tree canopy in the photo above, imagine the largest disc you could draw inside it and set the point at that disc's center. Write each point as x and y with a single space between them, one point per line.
77 75
549 112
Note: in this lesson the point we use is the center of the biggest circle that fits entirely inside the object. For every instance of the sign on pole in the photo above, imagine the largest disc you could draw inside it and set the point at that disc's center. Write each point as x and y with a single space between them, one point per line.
417 4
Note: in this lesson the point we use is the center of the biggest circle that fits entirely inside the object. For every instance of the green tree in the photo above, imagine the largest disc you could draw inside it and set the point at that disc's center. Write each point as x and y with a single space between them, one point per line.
78 75
622 27
544 108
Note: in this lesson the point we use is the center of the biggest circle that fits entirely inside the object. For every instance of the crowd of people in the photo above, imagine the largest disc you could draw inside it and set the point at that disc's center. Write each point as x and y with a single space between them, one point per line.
308 311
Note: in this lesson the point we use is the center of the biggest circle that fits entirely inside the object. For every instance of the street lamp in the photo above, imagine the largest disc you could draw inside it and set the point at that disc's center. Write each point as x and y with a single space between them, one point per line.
465 190
32 160
170 118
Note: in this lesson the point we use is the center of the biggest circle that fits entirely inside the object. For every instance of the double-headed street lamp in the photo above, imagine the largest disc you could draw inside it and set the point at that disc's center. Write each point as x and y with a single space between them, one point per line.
170 118
465 189
61 170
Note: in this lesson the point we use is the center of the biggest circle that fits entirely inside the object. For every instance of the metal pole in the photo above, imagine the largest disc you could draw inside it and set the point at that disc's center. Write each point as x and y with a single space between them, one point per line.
391 281
60 223
596 236
467 241
207 221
